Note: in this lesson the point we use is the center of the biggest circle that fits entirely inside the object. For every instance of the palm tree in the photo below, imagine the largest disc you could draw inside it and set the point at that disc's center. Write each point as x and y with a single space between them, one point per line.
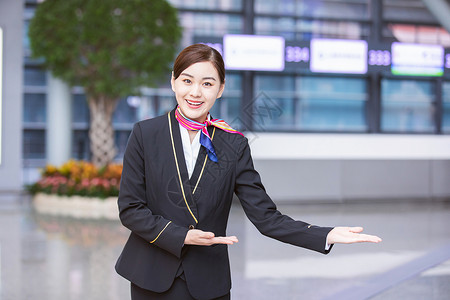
110 48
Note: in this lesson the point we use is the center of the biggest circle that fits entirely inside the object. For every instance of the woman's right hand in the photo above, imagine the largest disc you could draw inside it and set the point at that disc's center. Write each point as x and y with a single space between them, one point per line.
203 238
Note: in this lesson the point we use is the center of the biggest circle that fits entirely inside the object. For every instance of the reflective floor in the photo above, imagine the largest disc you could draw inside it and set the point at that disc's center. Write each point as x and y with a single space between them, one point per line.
49 257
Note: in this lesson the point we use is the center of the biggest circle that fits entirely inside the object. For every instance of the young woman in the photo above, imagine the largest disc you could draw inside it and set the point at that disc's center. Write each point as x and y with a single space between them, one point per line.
180 172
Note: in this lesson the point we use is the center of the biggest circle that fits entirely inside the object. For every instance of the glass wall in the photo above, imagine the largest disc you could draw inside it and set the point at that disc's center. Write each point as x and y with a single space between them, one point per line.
231 5
274 103
310 103
34 144
332 103
292 29
228 107
198 24
303 20
411 11
34 112
344 9
446 107
408 106
294 100
411 22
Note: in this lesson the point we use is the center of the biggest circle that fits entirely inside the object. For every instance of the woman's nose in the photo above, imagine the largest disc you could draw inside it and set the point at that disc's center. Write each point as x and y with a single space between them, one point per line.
196 91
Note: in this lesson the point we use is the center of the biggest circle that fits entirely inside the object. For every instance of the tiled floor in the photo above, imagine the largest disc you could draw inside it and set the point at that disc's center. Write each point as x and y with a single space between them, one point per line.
48 257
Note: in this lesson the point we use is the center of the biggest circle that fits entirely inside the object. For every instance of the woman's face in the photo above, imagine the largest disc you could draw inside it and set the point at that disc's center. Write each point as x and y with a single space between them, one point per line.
196 90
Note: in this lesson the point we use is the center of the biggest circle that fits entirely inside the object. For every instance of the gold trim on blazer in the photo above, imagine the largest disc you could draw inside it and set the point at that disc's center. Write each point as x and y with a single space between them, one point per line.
160 232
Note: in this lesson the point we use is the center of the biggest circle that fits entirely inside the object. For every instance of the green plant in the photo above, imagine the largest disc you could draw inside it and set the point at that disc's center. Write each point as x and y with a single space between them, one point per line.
110 48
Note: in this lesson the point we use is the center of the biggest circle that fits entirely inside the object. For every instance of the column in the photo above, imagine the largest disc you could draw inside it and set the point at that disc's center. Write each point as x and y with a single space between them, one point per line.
59 121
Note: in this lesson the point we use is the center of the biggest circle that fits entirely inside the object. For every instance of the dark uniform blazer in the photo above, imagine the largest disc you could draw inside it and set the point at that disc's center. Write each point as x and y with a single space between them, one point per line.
159 211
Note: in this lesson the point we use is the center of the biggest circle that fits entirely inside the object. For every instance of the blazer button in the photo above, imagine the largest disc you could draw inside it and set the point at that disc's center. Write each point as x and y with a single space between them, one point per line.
191 227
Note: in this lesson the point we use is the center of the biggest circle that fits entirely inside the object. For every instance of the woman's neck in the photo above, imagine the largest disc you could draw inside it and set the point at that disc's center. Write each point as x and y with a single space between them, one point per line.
192 134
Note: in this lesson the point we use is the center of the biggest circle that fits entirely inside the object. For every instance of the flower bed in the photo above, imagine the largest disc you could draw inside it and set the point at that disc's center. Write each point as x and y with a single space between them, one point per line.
78 189
76 206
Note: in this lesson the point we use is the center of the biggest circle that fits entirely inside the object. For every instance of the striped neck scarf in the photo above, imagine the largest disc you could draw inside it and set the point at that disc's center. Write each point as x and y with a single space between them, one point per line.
205 139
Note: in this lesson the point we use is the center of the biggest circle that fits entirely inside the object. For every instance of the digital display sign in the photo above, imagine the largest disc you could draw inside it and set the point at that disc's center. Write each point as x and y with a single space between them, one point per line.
272 53
417 59
1 91
296 55
447 62
338 56
253 52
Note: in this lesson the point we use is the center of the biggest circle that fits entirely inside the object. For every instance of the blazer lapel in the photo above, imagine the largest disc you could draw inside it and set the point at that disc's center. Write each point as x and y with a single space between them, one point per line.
182 169
199 169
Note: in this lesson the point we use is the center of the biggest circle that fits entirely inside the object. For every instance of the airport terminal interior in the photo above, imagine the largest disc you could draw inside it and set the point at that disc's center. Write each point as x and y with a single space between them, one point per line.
347 112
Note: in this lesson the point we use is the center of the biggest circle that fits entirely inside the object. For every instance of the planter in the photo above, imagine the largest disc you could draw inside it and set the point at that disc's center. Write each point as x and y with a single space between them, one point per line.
76 206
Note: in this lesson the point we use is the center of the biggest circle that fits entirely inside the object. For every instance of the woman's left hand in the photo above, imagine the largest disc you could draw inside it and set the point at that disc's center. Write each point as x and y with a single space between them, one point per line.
205 238
350 235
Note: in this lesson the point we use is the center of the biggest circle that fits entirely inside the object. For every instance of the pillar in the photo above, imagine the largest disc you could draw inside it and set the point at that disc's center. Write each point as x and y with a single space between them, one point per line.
59 121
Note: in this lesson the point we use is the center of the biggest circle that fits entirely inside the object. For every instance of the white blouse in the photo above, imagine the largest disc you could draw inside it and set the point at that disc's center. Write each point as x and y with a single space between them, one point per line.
190 150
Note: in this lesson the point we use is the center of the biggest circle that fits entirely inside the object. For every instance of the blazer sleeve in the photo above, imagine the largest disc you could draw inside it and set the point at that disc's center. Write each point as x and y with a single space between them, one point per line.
133 210
263 213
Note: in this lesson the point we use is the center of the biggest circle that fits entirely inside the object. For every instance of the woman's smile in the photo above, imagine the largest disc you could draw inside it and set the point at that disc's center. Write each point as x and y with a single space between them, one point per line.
194 104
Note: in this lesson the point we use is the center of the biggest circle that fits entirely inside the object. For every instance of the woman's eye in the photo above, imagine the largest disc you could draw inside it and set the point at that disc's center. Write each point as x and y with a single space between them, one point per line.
207 84
187 81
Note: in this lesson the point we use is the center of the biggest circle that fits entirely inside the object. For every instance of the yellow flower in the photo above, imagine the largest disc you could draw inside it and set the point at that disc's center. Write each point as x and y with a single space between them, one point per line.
50 170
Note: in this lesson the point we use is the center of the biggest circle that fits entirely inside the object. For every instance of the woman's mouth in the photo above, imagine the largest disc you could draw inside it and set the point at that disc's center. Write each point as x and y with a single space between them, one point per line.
194 104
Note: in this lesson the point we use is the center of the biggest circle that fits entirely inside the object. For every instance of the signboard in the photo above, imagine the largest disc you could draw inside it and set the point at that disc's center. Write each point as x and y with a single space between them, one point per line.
1 91
417 59
338 56
296 55
253 52
273 53
447 61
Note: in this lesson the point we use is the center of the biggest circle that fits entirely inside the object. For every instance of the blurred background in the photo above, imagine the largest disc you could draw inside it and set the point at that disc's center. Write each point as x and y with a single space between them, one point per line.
346 104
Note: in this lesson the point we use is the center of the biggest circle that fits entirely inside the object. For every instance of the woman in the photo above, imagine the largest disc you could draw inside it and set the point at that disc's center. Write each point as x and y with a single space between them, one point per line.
180 171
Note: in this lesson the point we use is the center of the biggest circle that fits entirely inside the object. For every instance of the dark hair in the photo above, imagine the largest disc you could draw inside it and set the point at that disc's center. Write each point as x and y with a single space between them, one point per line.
199 53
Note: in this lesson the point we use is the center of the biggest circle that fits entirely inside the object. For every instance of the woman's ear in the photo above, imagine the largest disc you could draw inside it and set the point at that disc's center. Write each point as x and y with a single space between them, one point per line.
222 88
172 82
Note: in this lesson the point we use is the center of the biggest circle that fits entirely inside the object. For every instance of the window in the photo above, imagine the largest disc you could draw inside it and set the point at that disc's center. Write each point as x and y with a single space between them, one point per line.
80 111
223 5
228 107
407 106
80 144
208 24
35 77
121 139
125 113
303 29
274 103
34 144
407 33
309 103
331 103
344 9
34 109
446 107
412 11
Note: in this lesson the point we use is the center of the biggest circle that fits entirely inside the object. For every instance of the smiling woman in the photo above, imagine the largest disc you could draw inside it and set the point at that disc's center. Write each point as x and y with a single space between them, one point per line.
180 174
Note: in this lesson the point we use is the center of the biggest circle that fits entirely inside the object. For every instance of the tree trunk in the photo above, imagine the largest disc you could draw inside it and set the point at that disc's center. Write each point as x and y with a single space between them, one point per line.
101 132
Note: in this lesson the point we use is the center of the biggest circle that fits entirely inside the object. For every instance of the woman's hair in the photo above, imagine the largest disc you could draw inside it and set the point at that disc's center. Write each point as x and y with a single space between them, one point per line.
199 53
